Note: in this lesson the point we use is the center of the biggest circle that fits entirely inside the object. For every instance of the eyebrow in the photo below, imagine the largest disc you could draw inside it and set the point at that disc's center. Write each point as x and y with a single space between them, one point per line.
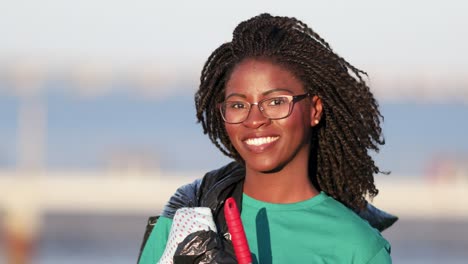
264 93
277 90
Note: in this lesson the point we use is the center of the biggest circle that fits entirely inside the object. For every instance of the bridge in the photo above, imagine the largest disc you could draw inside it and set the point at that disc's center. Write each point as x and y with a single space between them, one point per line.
28 194
25 197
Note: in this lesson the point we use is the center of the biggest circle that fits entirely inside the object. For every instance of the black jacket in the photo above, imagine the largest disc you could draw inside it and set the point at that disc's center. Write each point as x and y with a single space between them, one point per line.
211 191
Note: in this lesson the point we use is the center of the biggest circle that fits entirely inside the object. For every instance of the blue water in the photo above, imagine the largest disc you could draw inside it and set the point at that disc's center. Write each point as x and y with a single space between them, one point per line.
84 132
116 239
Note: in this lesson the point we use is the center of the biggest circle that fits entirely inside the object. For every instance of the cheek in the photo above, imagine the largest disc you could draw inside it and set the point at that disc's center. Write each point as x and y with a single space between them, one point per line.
300 119
230 130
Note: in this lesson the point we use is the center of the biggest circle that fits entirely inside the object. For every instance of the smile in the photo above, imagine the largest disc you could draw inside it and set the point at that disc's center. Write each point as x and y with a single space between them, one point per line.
260 141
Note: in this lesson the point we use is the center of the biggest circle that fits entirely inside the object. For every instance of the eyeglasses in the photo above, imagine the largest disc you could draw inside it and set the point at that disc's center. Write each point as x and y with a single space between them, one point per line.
235 112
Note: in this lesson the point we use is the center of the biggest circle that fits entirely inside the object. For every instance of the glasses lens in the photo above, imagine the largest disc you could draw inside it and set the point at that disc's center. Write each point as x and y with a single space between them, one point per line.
276 107
235 111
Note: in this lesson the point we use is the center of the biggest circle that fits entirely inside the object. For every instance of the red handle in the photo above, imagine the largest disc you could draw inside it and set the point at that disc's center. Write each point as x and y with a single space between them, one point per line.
235 227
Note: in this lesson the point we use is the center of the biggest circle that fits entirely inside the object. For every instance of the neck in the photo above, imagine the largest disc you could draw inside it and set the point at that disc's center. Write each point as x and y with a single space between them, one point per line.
289 185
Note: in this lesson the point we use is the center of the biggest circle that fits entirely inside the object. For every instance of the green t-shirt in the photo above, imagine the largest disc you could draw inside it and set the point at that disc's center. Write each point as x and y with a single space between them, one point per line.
318 230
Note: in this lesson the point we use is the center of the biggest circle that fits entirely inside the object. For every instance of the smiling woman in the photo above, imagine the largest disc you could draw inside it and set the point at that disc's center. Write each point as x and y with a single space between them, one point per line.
272 144
299 122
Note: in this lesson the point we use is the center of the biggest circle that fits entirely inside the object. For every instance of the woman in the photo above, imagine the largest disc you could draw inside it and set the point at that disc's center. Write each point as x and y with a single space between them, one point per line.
299 122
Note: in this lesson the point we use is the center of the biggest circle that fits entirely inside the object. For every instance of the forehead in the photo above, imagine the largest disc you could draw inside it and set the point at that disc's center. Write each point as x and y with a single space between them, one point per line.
253 77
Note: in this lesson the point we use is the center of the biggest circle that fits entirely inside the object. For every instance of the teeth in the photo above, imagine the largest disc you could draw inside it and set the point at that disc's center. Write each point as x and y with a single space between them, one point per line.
260 141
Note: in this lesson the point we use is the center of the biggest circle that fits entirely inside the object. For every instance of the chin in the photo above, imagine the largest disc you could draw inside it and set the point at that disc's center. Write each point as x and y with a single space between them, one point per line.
265 166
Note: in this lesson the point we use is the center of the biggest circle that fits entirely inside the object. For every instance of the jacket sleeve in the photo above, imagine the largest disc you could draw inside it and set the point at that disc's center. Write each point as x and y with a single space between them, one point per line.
377 218
185 196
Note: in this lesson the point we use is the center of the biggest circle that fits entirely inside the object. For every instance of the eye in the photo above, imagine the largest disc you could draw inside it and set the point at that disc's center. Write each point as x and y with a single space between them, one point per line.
277 101
236 105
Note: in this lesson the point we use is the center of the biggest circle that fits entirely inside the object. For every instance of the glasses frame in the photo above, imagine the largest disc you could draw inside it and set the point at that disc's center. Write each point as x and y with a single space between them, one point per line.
293 100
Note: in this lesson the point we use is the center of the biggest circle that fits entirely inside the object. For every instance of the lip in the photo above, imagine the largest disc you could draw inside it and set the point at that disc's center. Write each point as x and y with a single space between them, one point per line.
264 142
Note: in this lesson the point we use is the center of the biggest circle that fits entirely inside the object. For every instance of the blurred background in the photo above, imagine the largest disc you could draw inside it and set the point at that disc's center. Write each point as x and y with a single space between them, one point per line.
97 120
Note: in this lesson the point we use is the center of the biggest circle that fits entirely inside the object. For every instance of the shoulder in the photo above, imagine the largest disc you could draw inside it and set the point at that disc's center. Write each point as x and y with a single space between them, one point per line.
233 170
353 234
344 217
189 195
185 196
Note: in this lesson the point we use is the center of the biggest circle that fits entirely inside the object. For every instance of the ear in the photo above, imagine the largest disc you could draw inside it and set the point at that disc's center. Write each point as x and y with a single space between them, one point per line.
316 108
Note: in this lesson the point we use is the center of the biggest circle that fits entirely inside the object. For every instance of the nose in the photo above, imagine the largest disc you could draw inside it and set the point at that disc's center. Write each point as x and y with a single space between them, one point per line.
255 119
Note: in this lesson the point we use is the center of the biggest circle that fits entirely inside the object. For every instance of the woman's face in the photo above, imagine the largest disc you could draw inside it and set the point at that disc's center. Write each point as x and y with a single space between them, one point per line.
270 145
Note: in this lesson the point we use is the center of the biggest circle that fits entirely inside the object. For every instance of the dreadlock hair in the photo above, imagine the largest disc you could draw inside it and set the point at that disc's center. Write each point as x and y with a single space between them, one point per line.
350 125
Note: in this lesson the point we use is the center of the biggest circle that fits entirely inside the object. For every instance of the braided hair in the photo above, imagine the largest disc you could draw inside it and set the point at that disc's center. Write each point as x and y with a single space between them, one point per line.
340 163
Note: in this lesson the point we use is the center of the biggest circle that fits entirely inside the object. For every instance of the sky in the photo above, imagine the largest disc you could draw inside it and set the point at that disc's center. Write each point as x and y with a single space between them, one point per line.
400 43
109 72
